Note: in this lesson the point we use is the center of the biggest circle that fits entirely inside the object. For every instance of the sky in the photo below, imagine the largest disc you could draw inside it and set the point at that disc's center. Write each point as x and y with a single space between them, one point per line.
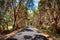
34 6
31 6
35 3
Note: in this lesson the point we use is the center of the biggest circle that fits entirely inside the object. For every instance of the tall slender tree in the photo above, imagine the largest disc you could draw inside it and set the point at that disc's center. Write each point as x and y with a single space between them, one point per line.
20 15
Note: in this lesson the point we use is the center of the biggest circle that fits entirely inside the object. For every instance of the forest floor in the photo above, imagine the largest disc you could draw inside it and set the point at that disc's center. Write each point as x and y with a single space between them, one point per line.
50 36
44 33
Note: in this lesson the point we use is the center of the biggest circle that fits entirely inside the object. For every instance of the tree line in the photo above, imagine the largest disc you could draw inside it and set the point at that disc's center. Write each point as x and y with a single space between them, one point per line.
48 15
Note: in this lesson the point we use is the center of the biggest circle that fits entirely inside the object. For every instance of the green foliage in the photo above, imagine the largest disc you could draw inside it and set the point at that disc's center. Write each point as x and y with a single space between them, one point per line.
7 16
59 26
1 2
48 30
38 27
57 35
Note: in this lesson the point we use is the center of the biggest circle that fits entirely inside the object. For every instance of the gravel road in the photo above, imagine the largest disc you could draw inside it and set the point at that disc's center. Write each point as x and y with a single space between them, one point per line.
28 33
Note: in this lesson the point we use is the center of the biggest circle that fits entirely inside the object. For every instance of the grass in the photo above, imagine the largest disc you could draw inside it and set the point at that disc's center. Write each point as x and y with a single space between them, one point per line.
49 32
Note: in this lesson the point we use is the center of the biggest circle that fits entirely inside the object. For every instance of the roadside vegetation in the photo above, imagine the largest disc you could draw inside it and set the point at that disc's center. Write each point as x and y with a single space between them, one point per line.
46 17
